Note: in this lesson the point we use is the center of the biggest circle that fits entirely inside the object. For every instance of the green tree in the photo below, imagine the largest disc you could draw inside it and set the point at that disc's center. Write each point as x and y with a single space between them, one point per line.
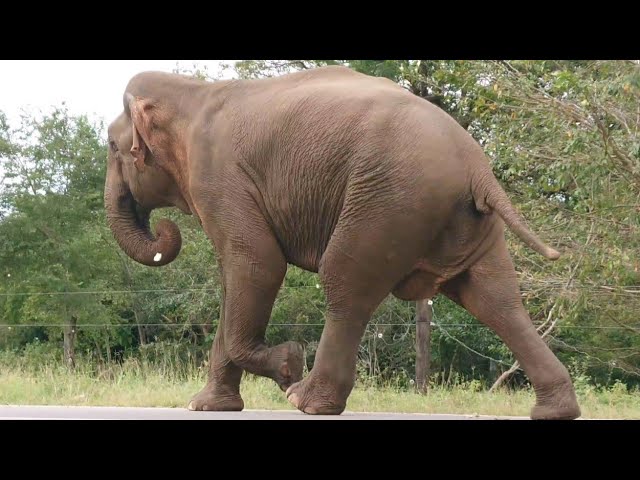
55 167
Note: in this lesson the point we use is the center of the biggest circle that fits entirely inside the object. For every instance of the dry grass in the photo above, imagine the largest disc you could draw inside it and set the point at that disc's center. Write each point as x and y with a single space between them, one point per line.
128 386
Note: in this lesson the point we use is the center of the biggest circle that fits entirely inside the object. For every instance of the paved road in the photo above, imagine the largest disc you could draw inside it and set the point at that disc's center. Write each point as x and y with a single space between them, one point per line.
126 413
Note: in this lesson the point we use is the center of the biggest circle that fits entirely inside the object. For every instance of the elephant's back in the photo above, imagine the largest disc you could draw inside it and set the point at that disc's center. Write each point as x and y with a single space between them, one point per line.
303 140
332 138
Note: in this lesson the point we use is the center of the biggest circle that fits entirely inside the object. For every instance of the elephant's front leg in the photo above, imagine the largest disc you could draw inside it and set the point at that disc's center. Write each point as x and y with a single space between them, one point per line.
282 363
222 392
252 286
253 270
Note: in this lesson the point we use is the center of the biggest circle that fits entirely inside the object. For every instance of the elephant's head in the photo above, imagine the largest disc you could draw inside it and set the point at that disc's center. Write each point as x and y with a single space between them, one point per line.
141 174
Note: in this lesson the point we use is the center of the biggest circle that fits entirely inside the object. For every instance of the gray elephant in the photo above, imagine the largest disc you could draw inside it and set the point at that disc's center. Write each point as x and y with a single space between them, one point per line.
339 173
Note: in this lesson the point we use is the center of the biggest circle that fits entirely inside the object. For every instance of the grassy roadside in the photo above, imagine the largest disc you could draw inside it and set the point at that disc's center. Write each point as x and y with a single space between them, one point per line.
133 387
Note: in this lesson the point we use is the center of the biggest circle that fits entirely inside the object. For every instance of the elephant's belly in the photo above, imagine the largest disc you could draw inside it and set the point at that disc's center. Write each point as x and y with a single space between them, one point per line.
427 275
304 245
308 260
418 285
303 227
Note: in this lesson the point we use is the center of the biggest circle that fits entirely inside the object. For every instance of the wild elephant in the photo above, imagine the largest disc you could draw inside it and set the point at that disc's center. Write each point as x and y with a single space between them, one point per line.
350 176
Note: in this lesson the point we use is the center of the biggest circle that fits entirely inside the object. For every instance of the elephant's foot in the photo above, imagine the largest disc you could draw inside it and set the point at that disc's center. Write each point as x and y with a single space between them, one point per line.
288 361
316 397
215 399
557 403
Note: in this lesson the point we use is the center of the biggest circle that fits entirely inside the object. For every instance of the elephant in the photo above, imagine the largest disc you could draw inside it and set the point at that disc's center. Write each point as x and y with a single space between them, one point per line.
339 173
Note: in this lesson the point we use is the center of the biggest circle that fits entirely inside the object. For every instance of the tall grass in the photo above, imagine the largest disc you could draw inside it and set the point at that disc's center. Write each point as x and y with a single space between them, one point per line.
169 381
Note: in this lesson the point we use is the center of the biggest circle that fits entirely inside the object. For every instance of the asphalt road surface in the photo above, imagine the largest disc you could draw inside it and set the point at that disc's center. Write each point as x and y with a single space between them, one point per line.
126 413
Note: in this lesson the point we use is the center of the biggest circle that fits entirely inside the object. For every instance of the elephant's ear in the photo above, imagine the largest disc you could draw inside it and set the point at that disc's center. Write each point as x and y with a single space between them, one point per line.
141 110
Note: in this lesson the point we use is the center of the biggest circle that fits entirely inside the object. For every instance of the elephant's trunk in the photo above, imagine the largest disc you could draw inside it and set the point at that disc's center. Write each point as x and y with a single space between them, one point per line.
130 226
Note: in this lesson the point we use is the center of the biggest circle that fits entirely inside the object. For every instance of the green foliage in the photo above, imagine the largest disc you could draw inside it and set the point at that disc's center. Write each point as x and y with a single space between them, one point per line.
561 136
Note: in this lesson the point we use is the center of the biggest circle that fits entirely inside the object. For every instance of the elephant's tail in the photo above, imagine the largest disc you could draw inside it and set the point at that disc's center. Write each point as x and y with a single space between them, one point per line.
489 195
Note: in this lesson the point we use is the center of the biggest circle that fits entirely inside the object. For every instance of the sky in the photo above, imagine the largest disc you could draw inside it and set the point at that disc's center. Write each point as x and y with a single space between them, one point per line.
92 87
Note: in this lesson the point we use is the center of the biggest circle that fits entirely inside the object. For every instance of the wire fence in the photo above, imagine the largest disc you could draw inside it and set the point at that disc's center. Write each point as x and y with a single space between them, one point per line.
188 324
631 289
408 323
120 292
626 289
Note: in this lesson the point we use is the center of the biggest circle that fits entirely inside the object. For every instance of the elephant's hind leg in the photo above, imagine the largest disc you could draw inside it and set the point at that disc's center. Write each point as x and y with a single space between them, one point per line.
357 271
351 299
489 291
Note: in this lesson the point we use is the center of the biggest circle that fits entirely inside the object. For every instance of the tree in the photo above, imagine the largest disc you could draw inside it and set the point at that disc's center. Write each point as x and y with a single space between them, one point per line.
56 168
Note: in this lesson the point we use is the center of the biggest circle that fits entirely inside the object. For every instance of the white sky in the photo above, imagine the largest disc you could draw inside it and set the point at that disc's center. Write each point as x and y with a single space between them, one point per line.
92 87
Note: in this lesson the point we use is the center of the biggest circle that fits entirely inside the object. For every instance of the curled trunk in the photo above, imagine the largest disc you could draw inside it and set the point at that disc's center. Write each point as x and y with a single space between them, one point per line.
129 224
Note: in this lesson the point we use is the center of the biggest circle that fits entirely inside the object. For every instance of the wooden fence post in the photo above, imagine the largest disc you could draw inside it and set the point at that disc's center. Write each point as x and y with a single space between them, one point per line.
423 344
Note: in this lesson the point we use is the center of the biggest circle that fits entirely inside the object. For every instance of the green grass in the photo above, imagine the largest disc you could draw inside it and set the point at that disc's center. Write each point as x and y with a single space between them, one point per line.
137 385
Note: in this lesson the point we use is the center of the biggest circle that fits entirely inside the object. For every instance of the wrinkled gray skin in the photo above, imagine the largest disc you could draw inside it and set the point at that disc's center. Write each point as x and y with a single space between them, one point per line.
339 173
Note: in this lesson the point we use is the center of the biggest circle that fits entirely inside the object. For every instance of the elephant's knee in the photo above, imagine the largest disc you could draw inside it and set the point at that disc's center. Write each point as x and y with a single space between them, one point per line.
240 354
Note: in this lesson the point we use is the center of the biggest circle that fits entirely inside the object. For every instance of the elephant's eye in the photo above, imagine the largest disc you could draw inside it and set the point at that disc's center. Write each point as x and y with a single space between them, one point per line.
113 145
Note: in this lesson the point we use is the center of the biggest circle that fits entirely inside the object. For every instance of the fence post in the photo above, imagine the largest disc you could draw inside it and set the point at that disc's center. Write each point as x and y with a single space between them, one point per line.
423 344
